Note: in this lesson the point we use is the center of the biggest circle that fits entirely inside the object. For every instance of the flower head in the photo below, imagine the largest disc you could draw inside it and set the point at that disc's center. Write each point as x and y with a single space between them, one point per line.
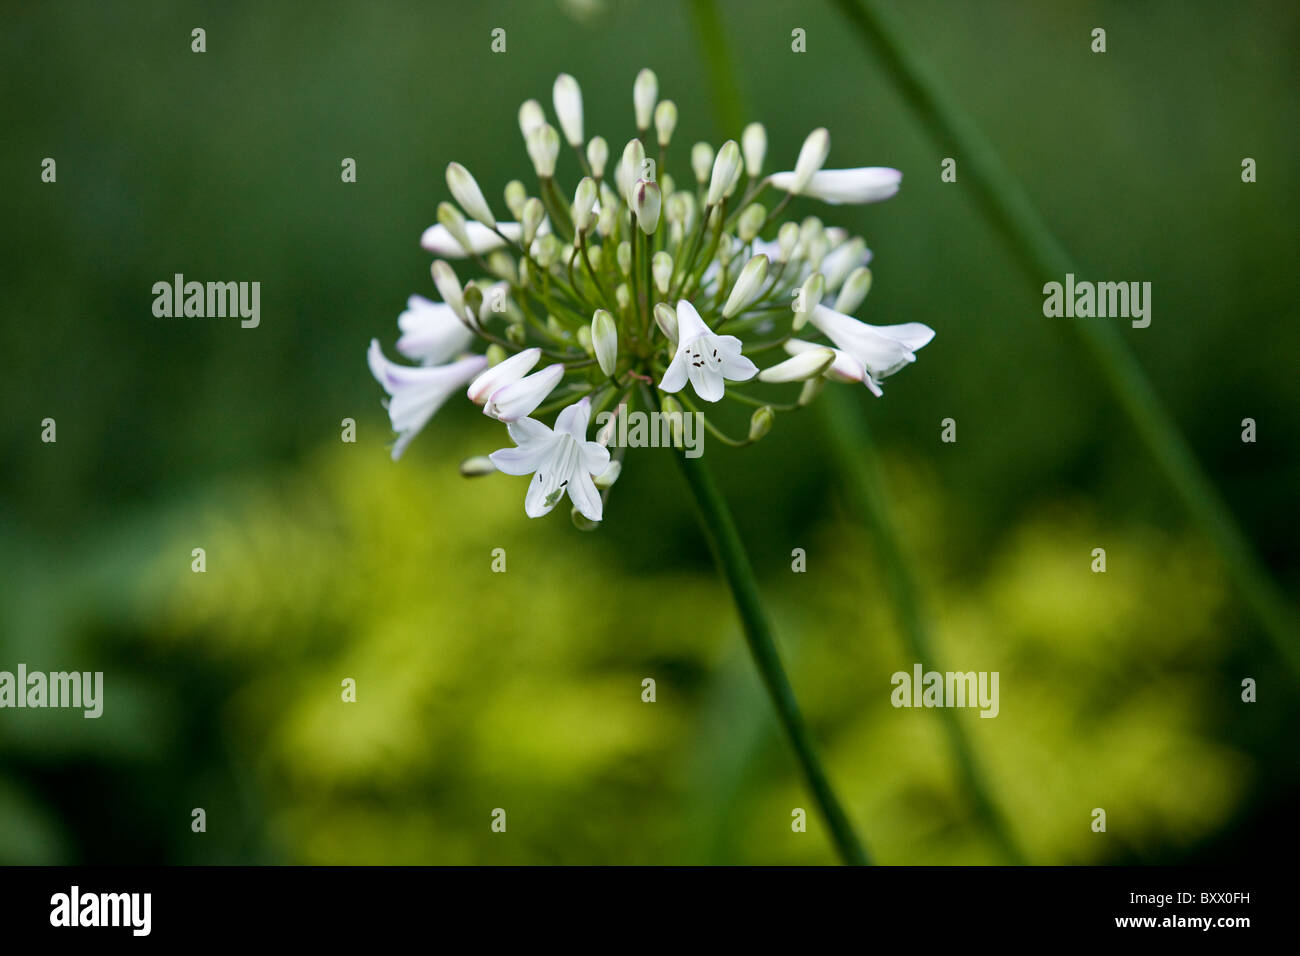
624 289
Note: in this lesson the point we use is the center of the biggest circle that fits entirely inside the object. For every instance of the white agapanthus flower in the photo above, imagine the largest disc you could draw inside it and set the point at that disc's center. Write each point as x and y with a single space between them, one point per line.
704 358
561 461
620 289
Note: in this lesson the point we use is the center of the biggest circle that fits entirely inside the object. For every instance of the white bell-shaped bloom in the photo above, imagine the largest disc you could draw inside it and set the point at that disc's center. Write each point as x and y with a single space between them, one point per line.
704 359
431 331
561 461
418 392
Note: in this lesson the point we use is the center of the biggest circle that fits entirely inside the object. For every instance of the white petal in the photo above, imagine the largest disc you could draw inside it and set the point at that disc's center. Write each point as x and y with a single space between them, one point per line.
573 419
689 324
585 497
502 374
595 457
707 382
675 375
431 331
518 399
522 460
734 366
862 185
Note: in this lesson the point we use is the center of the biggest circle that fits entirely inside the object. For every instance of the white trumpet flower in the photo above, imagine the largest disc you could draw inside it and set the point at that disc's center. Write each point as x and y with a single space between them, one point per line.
561 461
520 398
704 359
431 332
417 392
840 186
882 349
502 374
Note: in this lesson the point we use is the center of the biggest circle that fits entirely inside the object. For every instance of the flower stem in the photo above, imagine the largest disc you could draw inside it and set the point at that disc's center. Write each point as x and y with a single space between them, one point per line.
1008 206
733 561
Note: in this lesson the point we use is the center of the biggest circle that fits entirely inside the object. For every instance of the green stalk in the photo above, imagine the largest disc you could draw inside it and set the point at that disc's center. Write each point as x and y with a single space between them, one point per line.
855 457
733 561
1005 203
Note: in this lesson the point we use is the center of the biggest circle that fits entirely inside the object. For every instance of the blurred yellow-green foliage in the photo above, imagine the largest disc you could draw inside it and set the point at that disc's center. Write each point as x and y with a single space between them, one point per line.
522 690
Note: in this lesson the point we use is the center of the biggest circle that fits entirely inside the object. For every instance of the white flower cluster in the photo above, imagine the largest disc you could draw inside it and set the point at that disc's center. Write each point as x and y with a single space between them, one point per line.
632 289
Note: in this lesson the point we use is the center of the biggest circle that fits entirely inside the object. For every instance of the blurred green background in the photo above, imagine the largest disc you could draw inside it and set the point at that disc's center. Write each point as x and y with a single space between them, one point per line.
522 690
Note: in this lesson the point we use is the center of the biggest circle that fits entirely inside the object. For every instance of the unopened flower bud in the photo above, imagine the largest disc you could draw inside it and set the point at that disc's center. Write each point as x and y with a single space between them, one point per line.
787 239
495 355
661 267
800 367
567 97
753 142
581 521
702 162
477 466
531 220
808 298
604 339
516 196
584 339
726 172
747 288
623 297
854 290
811 389
629 170
531 116
648 202
584 203
665 121
444 277
644 93
610 475
812 156
543 147
546 250
464 189
666 319
751 222
760 423
451 219
625 257
598 156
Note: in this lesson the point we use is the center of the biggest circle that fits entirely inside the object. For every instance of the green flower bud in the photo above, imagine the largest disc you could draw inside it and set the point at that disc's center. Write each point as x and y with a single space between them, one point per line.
702 162
648 203
604 338
753 143
477 466
516 196
661 267
584 202
534 212
598 156
464 189
665 121
760 423
854 290
751 221
747 288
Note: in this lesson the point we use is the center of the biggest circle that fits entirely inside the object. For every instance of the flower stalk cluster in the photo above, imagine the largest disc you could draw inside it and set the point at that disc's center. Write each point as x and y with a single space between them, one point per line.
635 289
